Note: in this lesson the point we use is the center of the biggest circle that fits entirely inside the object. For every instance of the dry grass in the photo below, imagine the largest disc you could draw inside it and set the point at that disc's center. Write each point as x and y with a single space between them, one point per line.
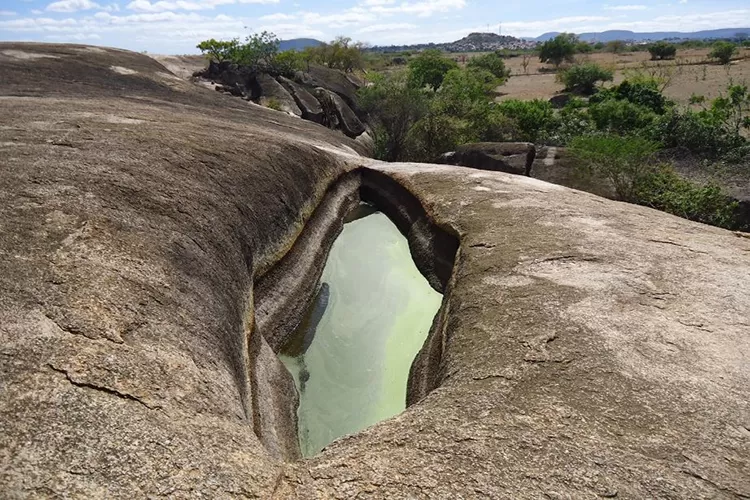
691 73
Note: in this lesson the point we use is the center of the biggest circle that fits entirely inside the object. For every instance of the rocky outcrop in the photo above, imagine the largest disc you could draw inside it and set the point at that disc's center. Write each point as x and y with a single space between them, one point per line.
310 107
338 114
274 95
510 157
153 255
332 80
334 107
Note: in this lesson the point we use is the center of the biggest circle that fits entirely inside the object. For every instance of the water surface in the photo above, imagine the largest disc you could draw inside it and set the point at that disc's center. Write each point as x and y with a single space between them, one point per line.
350 357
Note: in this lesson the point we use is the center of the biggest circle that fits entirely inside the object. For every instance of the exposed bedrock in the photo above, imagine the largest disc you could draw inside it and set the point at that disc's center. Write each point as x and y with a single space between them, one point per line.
338 113
273 94
584 348
310 107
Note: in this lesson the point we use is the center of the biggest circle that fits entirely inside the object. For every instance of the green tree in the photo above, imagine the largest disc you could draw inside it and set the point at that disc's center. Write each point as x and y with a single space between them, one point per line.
288 62
219 50
616 46
662 50
394 107
429 69
492 62
560 49
582 78
258 52
723 52
623 161
533 118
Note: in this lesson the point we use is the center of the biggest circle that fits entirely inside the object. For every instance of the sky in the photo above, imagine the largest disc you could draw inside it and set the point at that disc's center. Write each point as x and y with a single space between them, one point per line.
176 26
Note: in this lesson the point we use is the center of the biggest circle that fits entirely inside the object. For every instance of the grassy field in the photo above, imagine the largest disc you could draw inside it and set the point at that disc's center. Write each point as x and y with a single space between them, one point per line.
691 73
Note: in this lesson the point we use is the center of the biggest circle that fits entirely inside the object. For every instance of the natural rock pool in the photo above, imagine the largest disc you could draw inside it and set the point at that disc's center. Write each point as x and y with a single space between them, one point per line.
350 357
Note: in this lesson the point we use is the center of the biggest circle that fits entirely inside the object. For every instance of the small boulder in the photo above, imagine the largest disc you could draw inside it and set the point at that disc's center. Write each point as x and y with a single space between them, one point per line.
309 105
338 112
559 101
511 157
272 92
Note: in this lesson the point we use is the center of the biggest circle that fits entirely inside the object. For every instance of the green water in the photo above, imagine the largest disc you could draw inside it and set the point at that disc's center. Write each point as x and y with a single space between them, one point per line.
350 357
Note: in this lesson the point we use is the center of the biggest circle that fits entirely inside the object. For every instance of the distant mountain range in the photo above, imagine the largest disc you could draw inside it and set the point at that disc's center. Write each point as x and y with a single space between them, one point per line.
299 44
608 36
485 42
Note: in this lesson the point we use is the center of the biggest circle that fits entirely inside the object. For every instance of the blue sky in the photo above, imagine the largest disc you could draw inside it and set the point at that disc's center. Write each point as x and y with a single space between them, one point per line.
175 26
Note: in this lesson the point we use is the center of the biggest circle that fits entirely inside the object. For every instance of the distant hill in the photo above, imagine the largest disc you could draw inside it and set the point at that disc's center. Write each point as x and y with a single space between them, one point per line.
299 44
608 36
474 42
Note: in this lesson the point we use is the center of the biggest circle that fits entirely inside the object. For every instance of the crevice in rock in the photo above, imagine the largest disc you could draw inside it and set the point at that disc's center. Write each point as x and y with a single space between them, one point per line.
284 292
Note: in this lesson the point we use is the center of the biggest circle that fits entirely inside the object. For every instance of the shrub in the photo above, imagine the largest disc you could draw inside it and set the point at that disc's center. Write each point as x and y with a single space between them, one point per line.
572 121
218 50
664 189
274 104
558 50
394 107
582 78
462 89
288 62
699 132
662 50
644 94
584 48
492 62
622 161
429 69
533 118
258 51
621 116
723 52
615 46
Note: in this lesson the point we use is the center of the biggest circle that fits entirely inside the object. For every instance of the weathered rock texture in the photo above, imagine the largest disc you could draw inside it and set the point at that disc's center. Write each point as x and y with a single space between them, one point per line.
321 95
584 348
510 157
273 94
311 108
338 113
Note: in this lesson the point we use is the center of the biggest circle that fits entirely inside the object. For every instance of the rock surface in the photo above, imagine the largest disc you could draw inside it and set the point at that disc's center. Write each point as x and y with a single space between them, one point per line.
584 349
510 157
274 94
310 107
338 113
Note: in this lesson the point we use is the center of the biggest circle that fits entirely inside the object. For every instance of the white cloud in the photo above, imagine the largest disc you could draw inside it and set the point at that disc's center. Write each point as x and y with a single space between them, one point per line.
170 5
353 16
625 7
72 5
7 13
278 17
380 28
424 8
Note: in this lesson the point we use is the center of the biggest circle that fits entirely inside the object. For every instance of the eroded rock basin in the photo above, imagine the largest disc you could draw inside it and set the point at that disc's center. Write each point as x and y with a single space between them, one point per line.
350 357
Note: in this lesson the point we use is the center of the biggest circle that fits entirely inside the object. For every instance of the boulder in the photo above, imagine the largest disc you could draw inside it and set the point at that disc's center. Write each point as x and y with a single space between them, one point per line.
559 101
309 105
511 157
338 114
273 93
